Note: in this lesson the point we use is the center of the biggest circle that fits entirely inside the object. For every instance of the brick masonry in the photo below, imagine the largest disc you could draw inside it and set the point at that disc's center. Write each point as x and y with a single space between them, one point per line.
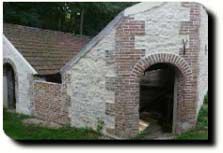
131 62
125 56
50 103
117 61
184 79
191 55
102 83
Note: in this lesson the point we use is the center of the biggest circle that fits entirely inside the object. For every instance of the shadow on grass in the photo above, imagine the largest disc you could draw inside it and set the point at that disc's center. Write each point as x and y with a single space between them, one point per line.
16 130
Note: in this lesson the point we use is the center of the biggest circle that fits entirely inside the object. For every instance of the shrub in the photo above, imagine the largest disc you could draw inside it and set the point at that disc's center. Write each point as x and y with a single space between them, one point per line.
100 126
206 99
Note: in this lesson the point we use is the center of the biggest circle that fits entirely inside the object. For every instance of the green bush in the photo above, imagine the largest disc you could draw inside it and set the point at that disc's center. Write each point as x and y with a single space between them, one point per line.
201 130
100 126
206 99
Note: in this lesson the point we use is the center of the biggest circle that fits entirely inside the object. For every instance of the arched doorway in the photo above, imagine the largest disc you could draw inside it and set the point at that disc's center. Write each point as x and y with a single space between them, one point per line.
183 97
157 99
9 86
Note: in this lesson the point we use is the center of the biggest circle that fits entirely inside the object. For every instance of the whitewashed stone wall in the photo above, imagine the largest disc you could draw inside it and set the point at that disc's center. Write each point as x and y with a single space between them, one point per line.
162 26
85 77
87 87
23 75
203 59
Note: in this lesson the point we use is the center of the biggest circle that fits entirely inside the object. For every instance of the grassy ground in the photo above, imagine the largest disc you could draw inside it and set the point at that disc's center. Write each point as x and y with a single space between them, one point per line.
15 129
200 132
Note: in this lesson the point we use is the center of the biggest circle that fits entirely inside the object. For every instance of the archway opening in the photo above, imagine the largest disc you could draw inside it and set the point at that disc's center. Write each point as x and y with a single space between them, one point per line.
9 87
157 98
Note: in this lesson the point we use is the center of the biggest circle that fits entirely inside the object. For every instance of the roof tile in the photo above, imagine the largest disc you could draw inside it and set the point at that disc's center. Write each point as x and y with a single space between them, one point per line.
46 50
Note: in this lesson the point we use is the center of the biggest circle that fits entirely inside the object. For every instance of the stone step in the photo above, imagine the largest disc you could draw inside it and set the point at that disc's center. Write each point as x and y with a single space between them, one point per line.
143 125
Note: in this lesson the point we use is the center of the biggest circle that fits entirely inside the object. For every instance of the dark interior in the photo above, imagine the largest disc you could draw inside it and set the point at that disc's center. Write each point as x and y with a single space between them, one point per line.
56 78
9 73
157 96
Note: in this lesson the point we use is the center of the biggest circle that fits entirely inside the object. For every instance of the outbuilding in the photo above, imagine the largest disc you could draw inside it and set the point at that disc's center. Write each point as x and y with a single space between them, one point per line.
148 66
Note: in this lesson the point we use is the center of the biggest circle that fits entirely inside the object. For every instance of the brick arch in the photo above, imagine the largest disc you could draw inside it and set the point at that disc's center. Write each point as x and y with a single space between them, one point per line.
185 111
12 64
172 59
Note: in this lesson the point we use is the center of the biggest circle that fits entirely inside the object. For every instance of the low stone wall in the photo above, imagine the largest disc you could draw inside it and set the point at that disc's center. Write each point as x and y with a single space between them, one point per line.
50 103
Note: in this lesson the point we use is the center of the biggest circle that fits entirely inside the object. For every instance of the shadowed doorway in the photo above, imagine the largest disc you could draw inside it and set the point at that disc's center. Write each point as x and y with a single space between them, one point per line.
157 99
9 87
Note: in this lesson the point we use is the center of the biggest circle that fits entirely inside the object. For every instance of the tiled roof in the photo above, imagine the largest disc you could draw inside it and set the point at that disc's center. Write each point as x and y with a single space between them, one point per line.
46 50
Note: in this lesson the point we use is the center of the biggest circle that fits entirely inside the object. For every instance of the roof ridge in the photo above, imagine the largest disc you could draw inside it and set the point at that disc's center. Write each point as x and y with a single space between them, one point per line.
42 29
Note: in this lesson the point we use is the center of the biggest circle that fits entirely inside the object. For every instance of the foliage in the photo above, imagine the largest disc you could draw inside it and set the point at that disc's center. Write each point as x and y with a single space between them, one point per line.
140 135
200 132
206 99
15 129
100 126
202 121
63 16
194 135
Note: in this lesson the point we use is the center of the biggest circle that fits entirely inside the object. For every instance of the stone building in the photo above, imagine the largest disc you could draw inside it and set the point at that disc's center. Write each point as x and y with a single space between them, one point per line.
151 60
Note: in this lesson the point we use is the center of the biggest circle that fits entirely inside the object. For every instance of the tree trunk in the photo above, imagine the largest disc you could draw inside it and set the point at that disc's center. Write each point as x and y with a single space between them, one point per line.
82 22
59 24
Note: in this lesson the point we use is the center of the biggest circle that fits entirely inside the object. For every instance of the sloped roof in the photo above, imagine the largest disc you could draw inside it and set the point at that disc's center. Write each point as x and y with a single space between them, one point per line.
137 8
46 50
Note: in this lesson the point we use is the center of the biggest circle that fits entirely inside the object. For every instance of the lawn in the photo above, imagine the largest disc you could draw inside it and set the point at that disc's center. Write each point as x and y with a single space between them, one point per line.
200 132
15 129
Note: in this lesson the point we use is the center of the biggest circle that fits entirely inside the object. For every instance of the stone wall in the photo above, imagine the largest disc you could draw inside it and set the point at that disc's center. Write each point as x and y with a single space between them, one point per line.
162 26
103 82
203 59
101 85
50 103
86 85
23 77
156 35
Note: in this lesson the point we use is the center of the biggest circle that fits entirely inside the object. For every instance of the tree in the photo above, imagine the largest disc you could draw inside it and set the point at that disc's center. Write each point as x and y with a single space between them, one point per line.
86 18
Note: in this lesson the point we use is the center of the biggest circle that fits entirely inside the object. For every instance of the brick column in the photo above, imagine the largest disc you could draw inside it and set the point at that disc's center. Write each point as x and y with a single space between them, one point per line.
190 54
125 108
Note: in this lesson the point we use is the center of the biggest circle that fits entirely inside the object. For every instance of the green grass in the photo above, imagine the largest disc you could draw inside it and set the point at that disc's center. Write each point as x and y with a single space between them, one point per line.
200 132
15 129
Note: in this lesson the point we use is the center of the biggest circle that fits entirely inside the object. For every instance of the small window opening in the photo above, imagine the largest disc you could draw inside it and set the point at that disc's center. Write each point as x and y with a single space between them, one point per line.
56 78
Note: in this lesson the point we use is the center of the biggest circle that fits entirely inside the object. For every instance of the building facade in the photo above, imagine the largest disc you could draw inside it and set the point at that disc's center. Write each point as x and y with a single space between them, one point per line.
102 84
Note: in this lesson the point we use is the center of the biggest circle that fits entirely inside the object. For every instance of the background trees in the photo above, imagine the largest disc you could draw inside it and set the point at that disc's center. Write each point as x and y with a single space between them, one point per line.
86 18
